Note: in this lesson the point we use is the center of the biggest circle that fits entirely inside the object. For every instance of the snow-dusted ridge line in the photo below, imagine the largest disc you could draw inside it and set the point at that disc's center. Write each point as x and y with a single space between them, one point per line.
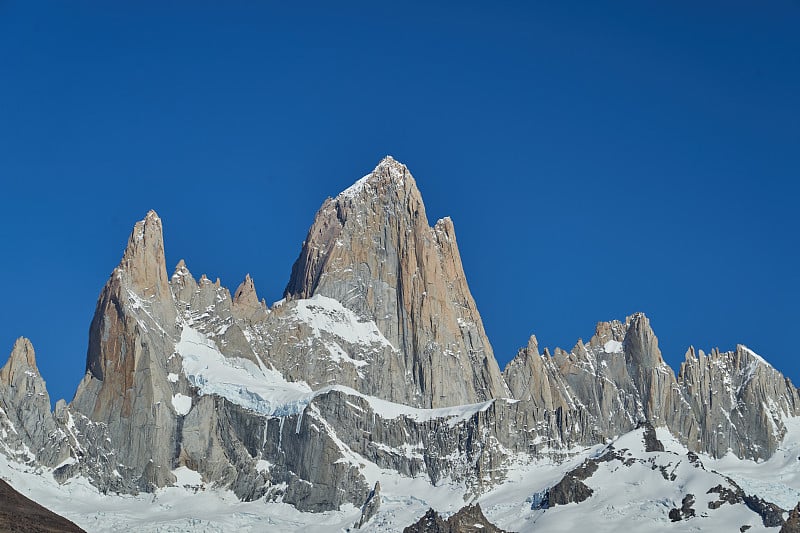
266 391
353 190
755 356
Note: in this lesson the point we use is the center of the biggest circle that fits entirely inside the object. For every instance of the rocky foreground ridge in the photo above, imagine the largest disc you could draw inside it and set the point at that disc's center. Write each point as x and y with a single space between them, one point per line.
376 358
18 513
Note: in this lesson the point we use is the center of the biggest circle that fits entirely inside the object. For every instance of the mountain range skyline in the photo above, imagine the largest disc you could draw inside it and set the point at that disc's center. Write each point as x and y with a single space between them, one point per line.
596 160
371 393
228 308
268 287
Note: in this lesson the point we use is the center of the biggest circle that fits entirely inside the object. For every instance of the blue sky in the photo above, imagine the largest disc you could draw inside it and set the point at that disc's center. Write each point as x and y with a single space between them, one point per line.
597 158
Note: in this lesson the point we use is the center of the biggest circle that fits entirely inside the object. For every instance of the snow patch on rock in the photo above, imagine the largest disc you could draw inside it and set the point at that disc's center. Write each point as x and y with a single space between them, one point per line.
612 347
186 477
328 315
239 380
182 404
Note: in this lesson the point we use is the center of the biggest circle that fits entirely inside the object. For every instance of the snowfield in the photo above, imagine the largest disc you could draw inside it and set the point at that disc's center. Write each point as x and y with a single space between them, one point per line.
265 391
626 498
634 491
633 498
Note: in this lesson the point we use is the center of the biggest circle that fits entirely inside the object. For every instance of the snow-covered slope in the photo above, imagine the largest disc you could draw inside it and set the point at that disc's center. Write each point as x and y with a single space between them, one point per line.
634 490
266 392
241 381
777 479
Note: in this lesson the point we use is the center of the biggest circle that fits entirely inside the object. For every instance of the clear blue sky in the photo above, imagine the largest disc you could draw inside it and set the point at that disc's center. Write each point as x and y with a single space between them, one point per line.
597 158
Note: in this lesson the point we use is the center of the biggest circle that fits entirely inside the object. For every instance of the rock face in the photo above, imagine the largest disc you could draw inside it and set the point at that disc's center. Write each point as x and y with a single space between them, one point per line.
614 382
371 248
130 340
29 432
245 305
370 507
792 524
619 380
377 357
469 519
430 522
685 511
571 488
738 401
651 442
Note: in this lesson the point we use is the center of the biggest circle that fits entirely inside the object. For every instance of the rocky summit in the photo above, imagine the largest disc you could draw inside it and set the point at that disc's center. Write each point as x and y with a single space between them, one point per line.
372 249
370 398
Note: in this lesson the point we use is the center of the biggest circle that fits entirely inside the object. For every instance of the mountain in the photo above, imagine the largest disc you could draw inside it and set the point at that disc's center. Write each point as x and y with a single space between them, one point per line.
371 248
126 387
725 401
370 394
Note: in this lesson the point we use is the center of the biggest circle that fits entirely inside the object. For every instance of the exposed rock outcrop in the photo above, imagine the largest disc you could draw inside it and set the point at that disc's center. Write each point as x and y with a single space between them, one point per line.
370 507
738 402
371 249
570 489
792 524
770 513
651 442
28 431
430 522
685 511
246 305
619 380
131 339
469 519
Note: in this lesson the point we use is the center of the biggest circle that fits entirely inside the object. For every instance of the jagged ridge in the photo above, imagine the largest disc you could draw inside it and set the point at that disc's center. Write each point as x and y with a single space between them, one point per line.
377 305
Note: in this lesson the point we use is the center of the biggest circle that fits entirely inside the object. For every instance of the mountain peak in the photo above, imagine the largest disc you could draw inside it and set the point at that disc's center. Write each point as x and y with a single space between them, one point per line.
181 269
637 319
533 345
143 260
371 248
388 174
246 293
23 351
245 301
391 165
22 356
391 170
149 228
641 344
